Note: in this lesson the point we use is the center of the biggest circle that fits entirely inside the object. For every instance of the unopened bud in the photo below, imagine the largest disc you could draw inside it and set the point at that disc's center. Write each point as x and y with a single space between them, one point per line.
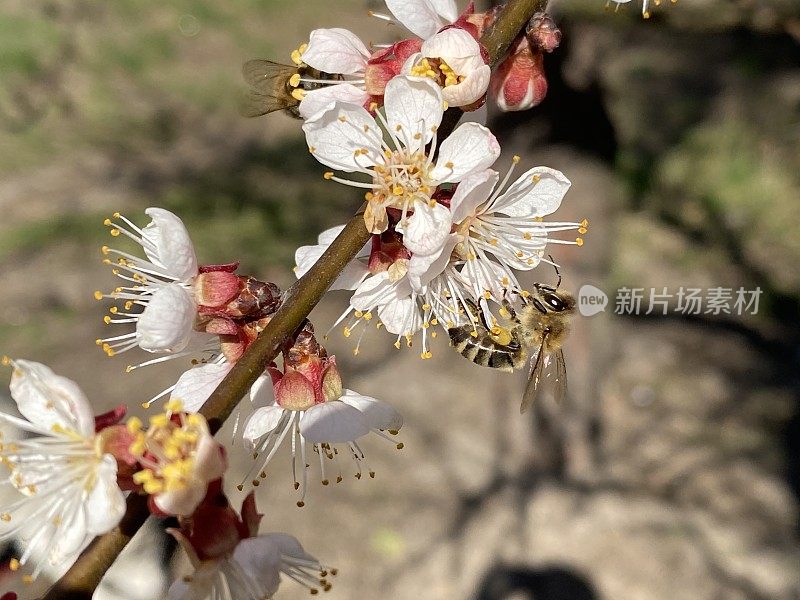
542 33
519 83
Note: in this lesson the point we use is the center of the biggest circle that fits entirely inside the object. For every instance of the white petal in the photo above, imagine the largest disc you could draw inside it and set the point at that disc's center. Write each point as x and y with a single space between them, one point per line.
457 48
418 16
473 191
288 545
182 502
427 229
447 9
401 317
334 141
423 269
351 276
379 414
261 393
470 90
471 148
414 105
262 421
333 422
201 585
260 558
166 323
537 192
195 385
169 244
209 459
47 399
72 537
316 101
105 505
336 50
378 290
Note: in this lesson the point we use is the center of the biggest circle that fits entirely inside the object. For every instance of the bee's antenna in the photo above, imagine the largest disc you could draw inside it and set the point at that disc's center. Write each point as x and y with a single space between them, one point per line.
555 266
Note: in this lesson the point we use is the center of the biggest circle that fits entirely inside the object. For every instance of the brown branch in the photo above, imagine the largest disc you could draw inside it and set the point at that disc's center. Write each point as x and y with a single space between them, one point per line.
84 576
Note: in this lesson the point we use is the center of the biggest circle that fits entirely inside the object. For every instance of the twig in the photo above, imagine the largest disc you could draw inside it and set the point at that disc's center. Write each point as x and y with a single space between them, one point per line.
84 576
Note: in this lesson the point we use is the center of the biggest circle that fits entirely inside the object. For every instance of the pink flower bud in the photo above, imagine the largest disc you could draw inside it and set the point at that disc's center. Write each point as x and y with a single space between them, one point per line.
519 83
216 288
306 382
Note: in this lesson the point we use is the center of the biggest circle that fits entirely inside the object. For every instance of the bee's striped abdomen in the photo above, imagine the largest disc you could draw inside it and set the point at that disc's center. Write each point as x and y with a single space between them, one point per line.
483 350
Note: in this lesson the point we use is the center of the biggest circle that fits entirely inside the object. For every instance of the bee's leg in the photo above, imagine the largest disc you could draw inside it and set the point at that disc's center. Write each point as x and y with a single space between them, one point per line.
508 310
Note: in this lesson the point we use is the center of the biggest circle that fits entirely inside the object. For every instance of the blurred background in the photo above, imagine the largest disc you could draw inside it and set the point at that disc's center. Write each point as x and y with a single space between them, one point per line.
671 470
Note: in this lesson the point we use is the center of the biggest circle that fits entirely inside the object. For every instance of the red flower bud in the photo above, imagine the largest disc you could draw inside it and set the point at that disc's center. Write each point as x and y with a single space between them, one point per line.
519 83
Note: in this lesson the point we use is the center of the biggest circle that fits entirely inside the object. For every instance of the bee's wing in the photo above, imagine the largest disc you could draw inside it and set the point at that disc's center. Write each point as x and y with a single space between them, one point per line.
534 378
269 91
546 368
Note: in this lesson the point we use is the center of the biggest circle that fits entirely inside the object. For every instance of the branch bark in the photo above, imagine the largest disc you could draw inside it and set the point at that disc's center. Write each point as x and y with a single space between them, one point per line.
84 576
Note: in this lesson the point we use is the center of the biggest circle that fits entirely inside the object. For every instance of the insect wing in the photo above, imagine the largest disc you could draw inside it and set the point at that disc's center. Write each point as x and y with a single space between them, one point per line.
534 379
269 87
547 369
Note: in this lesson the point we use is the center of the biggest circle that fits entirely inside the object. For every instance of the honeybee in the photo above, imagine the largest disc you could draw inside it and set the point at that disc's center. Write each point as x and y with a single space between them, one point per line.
275 86
537 332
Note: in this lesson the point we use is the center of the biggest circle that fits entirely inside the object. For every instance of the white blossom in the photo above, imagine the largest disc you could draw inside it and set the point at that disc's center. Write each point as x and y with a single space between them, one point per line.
67 482
403 175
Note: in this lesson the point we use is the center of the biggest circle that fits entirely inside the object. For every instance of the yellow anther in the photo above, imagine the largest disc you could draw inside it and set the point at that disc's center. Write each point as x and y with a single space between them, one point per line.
13 564
367 316
116 215
6 518
397 344
134 425
426 355
107 222
144 476
6 361
296 58
195 420
328 175
174 405
27 579
579 241
515 159
154 486
294 80
159 420
449 164
398 190
298 94
346 332
536 178
114 232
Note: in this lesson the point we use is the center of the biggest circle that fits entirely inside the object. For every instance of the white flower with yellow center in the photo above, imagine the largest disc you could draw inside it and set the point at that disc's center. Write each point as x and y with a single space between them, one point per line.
160 286
402 174
67 481
500 228
180 458
453 59
251 572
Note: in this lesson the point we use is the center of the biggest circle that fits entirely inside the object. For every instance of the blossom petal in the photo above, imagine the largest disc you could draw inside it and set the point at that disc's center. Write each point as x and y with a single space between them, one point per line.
418 16
166 323
195 385
427 229
49 400
262 421
473 191
105 505
378 290
401 317
353 273
209 459
167 244
336 50
337 136
413 107
536 193
457 48
379 414
71 537
260 558
446 9
333 422
181 502
470 90
423 269
316 101
261 393
470 149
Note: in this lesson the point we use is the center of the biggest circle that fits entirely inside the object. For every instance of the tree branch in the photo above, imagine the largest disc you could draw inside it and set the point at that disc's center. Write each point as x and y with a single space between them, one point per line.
84 576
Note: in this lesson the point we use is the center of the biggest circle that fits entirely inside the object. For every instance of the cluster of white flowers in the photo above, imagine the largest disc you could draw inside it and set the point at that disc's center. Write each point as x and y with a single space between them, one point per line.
448 237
